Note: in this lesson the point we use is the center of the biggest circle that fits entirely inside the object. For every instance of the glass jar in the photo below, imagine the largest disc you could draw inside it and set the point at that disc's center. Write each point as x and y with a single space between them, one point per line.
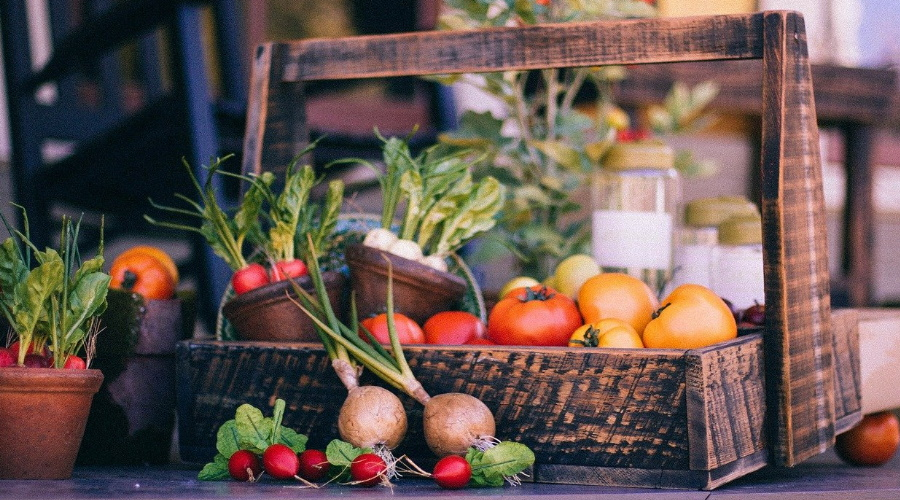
699 236
635 197
737 271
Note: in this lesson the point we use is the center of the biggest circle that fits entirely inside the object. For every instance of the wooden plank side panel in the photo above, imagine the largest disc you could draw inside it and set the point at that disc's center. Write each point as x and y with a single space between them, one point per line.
597 408
847 377
726 403
532 47
798 341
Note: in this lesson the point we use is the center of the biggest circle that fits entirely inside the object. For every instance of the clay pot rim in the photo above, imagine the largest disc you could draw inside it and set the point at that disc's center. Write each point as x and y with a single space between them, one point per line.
404 270
272 292
51 379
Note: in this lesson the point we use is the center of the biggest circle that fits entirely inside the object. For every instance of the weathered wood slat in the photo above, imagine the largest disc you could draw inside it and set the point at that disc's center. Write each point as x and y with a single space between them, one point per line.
799 343
532 47
848 409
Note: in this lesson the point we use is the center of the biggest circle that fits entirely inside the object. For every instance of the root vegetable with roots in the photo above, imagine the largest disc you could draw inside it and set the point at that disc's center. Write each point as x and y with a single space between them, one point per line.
373 417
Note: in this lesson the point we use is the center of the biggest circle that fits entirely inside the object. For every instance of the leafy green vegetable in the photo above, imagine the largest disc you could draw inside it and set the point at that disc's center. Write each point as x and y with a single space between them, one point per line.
250 430
502 463
342 453
57 302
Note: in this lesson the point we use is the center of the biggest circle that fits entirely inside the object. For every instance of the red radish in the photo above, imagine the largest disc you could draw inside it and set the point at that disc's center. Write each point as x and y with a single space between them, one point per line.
74 362
252 276
36 361
6 358
280 461
285 269
368 469
452 472
244 465
313 465
16 346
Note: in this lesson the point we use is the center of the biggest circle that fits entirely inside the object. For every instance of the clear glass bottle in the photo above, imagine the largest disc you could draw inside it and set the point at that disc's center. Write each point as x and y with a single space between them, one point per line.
737 272
697 239
635 198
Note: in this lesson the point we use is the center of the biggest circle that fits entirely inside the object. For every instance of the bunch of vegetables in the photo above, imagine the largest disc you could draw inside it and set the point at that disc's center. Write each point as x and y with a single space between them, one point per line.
259 240
51 299
441 207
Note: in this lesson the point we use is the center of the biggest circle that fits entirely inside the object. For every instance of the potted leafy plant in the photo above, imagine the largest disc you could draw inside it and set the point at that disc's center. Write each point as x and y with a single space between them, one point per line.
264 242
431 206
51 300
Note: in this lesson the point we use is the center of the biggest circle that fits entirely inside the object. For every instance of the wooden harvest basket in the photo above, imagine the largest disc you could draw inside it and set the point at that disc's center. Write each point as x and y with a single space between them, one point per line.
650 418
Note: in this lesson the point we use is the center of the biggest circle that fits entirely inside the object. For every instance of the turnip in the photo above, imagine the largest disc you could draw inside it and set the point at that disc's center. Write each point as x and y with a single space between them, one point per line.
407 249
372 417
434 262
455 422
379 238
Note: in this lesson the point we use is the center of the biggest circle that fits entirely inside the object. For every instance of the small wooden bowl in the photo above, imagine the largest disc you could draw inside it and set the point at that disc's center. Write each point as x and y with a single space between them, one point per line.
420 291
269 313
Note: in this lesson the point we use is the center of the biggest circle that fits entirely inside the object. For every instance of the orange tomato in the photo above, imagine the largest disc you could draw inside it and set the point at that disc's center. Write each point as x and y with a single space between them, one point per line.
617 295
610 332
140 273
873 441
158 254
691 316
408 331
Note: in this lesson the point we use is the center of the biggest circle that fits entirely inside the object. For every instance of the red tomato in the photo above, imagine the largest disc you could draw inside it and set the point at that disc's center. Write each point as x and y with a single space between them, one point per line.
453 328
873 441
250 277
284 269
143 274
481 342
534 316
408 331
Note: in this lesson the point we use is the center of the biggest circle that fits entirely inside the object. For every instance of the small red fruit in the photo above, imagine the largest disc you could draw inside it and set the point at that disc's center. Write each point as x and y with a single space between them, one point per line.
368 469
452 472
313 465
284 269
755 314
873 441
280 461
36 361
6 358
244 466
248 278
74 362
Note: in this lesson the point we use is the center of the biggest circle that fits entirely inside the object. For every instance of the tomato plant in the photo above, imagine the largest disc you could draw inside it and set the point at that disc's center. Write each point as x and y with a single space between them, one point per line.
691 316
142 274
453 328
533 316
617 295
408 331
249 277
873 441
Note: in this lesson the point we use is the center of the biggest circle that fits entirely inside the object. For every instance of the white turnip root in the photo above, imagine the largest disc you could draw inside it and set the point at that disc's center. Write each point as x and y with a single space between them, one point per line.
408 249
455 422
372 417
434 262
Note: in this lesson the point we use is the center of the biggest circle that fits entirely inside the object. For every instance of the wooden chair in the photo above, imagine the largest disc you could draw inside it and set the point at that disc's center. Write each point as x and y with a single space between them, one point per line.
798 339
102 123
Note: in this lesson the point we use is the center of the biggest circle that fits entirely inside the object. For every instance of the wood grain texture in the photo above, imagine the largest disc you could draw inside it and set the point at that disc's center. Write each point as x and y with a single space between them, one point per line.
726 403
847 380
798 342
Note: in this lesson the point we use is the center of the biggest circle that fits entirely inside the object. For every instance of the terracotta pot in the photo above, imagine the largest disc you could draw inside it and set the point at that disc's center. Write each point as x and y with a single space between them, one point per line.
420 291
268 313
43 412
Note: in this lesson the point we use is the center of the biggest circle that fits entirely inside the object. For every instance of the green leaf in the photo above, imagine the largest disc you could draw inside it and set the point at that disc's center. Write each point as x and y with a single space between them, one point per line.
228 438
217 470
494 466
292 439
254 430
341 453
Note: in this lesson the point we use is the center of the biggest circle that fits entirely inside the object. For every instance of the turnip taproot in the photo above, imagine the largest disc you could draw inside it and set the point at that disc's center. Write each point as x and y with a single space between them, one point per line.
455 422
372 417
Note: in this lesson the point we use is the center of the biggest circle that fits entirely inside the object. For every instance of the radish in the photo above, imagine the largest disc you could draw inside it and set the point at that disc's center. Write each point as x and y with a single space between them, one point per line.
280 461
6 358
244 465
452 472
313 465
368 469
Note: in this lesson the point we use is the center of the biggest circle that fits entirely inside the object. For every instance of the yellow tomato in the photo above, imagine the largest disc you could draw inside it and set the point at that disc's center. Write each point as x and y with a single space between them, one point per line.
617 295
573 271
517 282
610 332
691 316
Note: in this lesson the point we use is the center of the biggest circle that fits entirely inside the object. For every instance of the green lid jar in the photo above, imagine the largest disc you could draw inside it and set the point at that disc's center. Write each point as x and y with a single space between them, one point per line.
737 272
635 196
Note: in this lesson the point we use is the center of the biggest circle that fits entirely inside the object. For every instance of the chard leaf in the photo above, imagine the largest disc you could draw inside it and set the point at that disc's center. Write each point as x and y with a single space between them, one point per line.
474 216
86 300
38 287
217 470
496 465
254 430
228 438
292 439
341 453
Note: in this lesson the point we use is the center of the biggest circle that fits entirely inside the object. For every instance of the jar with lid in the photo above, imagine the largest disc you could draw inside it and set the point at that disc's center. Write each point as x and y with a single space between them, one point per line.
699 235
635 198
737 272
